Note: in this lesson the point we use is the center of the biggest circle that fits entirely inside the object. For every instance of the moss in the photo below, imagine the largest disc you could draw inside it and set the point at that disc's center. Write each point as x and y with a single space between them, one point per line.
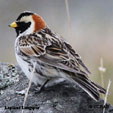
8 75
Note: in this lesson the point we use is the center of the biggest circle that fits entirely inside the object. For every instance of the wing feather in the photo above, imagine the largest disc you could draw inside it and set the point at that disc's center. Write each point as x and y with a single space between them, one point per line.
52 51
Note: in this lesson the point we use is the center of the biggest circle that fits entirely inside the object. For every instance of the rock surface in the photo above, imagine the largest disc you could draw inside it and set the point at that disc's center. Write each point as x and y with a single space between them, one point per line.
61 98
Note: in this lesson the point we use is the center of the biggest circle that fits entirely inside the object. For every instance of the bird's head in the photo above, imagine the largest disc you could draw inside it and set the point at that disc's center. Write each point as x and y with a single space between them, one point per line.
27 23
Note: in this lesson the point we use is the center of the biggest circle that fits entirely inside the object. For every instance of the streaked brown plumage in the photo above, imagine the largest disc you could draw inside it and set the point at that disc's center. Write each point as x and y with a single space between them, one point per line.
54 57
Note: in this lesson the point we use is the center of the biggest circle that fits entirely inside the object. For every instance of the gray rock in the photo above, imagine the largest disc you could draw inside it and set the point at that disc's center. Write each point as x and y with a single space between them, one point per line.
60 98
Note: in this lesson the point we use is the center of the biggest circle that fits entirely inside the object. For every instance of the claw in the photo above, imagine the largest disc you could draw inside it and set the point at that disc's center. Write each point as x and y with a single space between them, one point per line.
22 92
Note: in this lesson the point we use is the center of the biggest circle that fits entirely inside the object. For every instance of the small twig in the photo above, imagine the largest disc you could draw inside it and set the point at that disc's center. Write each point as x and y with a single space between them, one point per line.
106 95
102 71
29 85
68 17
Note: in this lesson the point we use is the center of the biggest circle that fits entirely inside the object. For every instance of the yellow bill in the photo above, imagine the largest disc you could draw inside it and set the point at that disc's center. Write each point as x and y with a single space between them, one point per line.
13 25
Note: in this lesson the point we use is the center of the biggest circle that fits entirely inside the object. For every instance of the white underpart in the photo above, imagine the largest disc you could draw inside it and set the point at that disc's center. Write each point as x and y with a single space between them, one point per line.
23 65
21 62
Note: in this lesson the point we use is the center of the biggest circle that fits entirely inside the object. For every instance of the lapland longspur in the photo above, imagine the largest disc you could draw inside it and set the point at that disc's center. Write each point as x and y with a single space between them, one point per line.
54 57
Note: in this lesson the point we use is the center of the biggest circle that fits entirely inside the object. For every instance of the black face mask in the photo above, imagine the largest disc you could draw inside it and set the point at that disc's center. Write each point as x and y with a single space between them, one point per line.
22 26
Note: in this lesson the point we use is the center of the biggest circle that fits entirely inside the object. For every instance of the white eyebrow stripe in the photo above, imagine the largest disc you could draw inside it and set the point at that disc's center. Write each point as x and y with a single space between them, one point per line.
26 19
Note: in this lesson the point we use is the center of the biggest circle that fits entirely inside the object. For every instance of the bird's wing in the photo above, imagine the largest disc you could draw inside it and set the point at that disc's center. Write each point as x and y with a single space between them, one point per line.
50 50
77 57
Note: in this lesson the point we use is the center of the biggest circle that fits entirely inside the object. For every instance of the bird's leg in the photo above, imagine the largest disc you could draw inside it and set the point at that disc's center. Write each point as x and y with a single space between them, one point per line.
47 83
33 88
23 91
54 81
42 86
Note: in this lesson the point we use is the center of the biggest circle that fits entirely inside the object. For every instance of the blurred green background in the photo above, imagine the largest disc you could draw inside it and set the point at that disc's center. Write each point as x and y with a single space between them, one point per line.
92 30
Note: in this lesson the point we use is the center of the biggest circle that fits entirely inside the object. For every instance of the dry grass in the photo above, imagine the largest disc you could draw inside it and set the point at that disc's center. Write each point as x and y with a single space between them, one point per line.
68 18
102 70
29 85
106 95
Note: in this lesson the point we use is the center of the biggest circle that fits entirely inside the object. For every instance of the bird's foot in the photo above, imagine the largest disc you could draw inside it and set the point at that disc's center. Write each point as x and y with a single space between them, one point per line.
41 87
22 92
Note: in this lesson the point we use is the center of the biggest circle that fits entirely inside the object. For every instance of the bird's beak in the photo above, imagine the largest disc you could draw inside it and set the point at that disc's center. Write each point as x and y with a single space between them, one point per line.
13 25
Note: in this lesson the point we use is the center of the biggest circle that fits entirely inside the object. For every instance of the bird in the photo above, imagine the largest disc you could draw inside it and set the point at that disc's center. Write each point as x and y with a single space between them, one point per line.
52 58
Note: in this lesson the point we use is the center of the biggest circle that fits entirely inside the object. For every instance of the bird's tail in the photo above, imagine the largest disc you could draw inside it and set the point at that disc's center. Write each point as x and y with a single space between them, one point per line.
90 87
